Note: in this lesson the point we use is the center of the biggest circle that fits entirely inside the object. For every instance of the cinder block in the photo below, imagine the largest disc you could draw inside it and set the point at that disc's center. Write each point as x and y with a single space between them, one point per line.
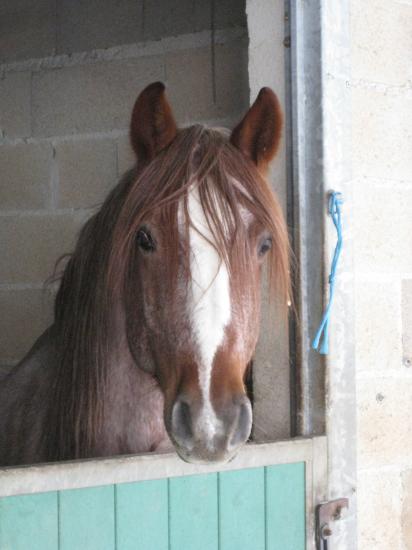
380 40
169 18
27 29
379 510
189 83
381 135
87 170
15 104
30 245
25 314
382 228
384 430
378 333
97 24
90 98
232 79
126 157
25 176
5 368
202 13
406 518
230 13
407 322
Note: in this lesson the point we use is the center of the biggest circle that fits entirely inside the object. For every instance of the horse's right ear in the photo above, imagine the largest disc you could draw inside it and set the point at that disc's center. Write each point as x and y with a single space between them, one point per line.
153 126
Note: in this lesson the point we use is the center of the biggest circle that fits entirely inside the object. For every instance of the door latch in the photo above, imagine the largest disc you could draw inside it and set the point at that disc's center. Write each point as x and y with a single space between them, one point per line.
326 513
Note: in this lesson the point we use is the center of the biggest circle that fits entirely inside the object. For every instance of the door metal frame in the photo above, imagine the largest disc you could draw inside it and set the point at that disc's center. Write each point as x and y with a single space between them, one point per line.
321 161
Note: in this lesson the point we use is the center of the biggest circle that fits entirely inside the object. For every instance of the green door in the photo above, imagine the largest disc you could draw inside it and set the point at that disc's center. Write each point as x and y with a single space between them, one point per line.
252 509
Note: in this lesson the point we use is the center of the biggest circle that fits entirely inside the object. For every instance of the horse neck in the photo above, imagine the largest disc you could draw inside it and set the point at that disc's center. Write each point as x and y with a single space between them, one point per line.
133 409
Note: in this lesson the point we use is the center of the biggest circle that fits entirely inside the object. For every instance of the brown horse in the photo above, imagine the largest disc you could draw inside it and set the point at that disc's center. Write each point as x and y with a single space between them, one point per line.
157 313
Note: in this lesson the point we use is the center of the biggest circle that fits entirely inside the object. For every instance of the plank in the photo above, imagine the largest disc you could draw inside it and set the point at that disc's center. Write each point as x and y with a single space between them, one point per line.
260 508
285 506
29 522
86 519
142 515
193 513
242 510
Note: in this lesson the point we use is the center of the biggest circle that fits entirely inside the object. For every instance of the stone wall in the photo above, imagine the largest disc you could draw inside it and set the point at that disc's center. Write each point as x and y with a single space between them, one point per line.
69 75
381 38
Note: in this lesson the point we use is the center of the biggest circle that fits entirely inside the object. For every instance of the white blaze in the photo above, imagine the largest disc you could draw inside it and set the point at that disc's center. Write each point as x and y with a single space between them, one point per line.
211 305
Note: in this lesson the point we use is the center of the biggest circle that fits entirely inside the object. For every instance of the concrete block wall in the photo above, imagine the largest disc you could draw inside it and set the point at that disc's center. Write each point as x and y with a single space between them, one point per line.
52 27
381 39
69 75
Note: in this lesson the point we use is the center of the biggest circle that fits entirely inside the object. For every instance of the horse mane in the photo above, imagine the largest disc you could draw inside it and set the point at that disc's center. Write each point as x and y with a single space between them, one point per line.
95 279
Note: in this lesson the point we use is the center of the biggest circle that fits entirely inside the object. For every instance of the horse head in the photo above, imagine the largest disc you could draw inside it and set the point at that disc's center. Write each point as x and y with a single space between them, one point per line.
196 226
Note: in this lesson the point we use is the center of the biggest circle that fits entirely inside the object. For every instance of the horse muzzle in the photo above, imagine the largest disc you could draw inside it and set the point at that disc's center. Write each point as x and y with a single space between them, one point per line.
202 435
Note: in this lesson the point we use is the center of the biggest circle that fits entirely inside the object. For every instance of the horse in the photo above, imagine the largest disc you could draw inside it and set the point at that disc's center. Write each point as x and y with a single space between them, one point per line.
157 312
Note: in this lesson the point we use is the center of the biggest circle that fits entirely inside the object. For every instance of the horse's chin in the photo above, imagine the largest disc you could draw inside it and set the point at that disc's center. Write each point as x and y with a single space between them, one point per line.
192 458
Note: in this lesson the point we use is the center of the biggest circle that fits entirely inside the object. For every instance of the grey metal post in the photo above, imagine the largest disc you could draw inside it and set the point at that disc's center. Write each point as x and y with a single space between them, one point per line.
320 42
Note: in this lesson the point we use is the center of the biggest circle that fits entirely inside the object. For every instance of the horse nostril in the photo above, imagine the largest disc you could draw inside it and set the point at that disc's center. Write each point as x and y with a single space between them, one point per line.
181 421
244 425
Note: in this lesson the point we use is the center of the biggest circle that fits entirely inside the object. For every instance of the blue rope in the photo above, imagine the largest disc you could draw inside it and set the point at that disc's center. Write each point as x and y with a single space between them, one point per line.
335 202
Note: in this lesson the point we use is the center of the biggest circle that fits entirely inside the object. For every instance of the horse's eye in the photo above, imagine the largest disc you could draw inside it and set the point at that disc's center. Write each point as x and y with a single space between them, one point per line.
265 246
145 240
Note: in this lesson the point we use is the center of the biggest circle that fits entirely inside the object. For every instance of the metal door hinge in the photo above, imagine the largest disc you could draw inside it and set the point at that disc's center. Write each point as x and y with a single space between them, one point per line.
326 513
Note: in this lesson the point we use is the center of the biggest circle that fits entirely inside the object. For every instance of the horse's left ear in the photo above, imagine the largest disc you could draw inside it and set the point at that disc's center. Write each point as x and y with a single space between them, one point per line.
258 134
153 126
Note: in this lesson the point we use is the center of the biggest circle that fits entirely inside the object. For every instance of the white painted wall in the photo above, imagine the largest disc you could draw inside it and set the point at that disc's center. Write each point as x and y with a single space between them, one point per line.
271 379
